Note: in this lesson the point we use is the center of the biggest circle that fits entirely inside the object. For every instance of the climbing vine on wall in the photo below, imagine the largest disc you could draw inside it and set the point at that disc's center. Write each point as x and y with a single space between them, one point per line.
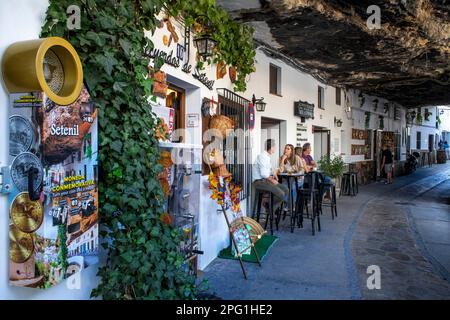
234 40
142 257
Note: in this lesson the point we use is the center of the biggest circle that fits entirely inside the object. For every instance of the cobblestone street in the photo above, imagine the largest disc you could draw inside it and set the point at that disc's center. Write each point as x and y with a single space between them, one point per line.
403 228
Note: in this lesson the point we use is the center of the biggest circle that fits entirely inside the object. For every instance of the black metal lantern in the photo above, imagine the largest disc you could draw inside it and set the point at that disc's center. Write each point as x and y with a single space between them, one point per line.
338 122
259 104
205 45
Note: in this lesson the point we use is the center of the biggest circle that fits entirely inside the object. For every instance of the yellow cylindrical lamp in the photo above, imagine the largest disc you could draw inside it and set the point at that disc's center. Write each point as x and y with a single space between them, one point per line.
50 64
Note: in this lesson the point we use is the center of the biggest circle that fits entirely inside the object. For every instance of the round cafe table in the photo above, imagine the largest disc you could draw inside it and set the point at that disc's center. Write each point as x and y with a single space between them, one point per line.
289 177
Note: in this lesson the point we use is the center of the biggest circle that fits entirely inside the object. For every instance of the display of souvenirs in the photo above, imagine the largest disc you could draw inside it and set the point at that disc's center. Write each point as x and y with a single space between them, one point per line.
359 134
358 149
53 226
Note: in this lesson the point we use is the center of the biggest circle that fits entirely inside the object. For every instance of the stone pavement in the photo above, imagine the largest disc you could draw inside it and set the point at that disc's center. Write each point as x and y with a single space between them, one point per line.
374 228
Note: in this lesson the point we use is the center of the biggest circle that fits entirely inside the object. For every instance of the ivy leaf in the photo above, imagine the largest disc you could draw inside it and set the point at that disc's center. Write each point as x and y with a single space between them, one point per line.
126 46
116 146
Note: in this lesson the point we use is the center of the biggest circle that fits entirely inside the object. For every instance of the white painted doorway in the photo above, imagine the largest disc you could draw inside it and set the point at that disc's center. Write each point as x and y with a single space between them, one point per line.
273 129
321 146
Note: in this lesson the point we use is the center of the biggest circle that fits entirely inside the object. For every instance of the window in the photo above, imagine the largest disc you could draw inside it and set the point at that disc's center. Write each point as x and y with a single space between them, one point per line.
418 140
237 149
275 79
321 97
176 99
338 96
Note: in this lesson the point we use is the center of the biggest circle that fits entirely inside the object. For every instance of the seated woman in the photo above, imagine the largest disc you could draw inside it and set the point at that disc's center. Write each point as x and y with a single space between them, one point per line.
311 165
291 163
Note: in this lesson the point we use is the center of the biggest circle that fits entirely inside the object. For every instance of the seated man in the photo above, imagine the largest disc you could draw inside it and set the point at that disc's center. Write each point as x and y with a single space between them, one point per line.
264 178
311 165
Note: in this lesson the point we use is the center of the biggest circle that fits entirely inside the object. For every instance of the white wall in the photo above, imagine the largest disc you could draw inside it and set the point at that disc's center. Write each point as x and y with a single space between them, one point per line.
295 86
22 20
426 128
390 124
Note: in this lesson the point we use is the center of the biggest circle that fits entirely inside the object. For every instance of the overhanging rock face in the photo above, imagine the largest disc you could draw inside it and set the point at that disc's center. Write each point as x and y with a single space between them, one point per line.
405 60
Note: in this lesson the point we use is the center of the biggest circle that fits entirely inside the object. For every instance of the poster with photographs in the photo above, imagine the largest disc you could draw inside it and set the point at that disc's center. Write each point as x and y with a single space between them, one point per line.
53 230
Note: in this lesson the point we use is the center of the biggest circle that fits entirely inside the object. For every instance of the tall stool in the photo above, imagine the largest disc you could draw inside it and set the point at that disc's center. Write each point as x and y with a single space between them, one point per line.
332 202
310 192
259 196
354 181
349 185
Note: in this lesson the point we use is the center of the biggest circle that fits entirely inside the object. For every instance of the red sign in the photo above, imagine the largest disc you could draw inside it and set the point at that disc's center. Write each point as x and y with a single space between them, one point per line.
251 116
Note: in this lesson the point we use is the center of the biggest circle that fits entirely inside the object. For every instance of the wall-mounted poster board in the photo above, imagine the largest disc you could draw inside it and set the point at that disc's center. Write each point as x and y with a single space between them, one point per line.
53 230
358 134
52 173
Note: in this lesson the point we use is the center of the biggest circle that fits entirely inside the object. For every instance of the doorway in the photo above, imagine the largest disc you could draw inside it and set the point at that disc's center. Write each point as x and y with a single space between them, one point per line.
321 146
176 99
272 129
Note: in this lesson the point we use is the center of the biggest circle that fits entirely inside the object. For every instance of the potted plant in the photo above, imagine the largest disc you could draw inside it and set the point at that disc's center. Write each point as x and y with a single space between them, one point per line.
334 168
419 118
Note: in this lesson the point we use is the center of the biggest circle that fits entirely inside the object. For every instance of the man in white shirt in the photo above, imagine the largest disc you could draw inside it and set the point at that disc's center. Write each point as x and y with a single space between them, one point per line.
264 177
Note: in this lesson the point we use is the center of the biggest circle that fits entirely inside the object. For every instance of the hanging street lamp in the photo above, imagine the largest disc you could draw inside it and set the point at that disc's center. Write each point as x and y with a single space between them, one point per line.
204 42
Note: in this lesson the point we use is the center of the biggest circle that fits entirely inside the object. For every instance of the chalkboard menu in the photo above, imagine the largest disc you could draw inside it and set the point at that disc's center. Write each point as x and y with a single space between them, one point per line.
304 109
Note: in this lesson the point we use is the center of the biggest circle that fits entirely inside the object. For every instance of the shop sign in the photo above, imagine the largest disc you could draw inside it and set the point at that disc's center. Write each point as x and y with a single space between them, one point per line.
304 109
193 120
174 61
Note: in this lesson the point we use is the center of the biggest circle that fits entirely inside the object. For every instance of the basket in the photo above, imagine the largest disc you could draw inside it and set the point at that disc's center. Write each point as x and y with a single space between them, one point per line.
221 123
256 229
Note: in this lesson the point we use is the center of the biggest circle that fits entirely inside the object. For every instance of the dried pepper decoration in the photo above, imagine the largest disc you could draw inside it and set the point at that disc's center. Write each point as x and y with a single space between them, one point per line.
219 191
166 218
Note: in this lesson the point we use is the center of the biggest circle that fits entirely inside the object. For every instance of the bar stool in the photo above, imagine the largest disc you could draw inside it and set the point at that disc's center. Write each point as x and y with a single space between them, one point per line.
354 180
347 188
310 192
332 203
259 196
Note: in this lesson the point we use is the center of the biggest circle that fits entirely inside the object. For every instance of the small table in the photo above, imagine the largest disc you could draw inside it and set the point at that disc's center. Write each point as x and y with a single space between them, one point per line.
290 176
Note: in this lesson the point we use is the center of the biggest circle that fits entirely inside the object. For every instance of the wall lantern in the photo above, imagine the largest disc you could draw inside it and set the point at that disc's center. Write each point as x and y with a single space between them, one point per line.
259 104
337 122
204 42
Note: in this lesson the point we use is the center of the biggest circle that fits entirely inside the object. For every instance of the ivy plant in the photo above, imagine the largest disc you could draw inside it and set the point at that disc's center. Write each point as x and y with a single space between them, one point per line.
143 261
234 40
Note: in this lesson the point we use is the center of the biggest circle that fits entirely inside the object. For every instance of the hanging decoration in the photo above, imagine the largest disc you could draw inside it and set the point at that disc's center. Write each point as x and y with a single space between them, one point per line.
361 99
375 105
367 120
232 74
221 70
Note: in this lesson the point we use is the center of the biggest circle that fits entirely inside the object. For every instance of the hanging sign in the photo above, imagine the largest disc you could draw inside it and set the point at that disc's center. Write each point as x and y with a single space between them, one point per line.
251 116
304 109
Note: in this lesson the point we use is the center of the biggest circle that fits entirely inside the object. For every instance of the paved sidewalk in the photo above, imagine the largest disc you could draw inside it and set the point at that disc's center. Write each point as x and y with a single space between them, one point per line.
384 237
324 266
